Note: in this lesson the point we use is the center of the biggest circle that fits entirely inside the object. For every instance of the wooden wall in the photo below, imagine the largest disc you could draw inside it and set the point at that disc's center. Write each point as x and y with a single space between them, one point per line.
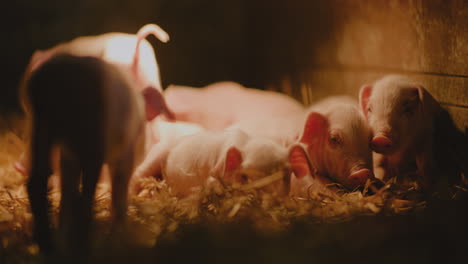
334 47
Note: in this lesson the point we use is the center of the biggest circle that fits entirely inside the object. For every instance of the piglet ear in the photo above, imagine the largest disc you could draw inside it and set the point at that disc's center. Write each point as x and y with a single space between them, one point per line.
298 160
422 93
233 159
416 92
315 128
364 94
155 104
429 104
414 96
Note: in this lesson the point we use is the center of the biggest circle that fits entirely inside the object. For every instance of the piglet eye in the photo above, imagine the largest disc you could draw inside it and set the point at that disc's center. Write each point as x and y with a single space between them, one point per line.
335 140
409 106
369 109
408 109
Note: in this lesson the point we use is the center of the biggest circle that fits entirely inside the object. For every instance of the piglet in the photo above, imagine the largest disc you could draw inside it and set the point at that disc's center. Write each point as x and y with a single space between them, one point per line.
335 136
163 136
92 112
401 114
224 104
129 52
230 156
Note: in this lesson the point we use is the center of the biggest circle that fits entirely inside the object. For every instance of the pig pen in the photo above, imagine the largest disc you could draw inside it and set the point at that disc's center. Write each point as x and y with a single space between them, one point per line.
306 49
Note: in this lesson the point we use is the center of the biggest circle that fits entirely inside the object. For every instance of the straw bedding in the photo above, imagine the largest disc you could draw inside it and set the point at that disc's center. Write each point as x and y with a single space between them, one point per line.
223 223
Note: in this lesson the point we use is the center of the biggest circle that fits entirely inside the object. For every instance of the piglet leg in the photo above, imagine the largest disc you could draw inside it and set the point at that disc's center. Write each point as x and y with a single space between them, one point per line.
379 163
37 186
384 169
91 172
121 170
70 200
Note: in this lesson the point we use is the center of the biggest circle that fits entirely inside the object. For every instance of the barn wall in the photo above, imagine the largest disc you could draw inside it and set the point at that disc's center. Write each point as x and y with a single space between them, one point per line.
351 43
309 49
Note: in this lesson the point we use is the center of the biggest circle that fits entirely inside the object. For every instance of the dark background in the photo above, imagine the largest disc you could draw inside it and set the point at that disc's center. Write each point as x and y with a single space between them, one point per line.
308 49
209 39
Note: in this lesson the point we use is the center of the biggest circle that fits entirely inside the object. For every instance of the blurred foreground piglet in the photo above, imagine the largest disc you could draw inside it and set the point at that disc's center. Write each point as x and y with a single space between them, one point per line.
129 52
401 114
223 104
90 110
336 137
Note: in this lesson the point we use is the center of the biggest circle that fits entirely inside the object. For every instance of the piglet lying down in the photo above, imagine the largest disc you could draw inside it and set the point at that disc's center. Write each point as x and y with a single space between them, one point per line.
98 118
334 131
231 157
335 136
223 104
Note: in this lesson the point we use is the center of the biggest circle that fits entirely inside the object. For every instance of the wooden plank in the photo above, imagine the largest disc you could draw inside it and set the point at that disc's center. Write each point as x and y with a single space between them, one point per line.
315 84
459 116
422 36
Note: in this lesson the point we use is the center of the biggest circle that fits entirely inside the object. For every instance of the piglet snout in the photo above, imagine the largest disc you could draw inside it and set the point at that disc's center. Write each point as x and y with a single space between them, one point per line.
381 144
360 177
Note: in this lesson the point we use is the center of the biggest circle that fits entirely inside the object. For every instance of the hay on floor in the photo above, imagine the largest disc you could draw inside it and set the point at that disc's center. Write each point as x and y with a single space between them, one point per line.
155 212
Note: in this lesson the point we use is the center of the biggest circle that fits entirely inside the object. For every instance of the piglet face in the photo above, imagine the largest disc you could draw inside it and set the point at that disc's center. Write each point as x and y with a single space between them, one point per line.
262 163
393 111
337 146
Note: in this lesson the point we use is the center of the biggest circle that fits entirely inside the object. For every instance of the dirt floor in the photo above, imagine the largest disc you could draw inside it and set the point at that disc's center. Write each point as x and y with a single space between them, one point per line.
395 224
